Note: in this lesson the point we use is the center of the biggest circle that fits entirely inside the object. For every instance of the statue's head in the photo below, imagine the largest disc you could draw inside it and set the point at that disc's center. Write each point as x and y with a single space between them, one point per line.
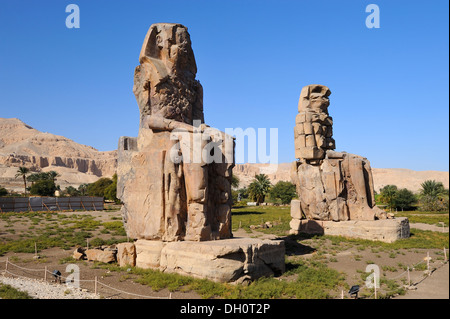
164 82
313 130
314 97
171 44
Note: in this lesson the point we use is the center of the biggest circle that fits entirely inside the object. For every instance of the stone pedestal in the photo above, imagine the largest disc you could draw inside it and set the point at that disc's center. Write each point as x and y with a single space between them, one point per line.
227 260
386 230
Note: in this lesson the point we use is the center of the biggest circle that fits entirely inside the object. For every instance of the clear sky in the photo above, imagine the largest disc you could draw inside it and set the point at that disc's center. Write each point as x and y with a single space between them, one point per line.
389 101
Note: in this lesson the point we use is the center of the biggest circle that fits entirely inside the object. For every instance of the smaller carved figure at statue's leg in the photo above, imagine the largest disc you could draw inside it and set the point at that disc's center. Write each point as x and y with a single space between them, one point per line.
174 205
196 180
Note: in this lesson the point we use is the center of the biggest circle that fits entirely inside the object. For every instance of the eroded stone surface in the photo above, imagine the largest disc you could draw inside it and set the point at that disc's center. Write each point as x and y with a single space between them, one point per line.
331 185
228 260
175 177
387 230
126 254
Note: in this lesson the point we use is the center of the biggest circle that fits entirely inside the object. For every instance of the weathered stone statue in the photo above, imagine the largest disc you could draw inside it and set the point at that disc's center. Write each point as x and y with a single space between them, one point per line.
331 185
174 178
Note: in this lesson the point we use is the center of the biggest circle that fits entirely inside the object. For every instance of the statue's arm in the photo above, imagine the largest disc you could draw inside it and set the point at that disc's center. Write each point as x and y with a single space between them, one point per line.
162 124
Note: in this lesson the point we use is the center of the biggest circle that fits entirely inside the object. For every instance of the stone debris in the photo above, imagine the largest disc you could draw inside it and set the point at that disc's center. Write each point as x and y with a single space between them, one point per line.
104 254
38 289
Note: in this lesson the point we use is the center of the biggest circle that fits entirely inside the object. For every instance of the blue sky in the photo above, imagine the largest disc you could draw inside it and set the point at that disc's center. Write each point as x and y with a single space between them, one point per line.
389 102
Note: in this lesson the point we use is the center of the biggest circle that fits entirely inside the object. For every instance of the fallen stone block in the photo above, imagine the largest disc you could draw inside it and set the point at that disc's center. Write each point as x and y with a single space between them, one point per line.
104 256
79 254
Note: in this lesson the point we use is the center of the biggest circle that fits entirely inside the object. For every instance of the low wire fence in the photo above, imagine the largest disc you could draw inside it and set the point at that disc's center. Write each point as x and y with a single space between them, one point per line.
44 275
24 204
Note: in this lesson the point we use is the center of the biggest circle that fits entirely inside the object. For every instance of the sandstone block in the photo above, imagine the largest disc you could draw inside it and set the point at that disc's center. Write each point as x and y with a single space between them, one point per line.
104 256
296 211
227 260
387 230
148 253
126 254
78 254
299 130
300 118
308 128
310 141
300 141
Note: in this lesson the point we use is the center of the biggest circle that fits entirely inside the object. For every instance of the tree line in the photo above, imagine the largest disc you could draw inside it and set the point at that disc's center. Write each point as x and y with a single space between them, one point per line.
261 189
45 184
433 196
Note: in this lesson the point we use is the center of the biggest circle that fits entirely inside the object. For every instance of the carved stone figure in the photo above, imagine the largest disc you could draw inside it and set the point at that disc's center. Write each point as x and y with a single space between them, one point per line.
174 178
331 185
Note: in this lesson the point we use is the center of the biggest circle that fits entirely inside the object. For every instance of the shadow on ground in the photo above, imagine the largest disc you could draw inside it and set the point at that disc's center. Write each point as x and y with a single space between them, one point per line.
294 248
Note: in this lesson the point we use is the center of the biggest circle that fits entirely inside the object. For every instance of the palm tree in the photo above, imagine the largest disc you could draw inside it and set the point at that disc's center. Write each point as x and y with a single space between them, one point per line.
388 195
33 178
53 175
259 188
433 196
433 189
23 171
83 189
235 181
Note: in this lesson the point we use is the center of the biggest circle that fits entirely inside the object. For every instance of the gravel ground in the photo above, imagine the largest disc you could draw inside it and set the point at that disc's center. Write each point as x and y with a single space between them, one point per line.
43 290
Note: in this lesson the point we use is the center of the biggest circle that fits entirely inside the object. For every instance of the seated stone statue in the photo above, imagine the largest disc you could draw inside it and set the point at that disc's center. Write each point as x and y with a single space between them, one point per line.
331 185
174 178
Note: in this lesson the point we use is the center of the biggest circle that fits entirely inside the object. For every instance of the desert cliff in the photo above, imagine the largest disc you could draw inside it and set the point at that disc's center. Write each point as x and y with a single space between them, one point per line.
22 145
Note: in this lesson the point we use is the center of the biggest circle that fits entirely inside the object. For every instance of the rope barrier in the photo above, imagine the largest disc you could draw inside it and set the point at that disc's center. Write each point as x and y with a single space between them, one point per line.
96 281
412 268
7 271
129 293
79 280
23 268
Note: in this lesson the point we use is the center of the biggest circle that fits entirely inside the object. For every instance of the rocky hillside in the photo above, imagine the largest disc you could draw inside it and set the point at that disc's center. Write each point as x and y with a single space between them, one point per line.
22 145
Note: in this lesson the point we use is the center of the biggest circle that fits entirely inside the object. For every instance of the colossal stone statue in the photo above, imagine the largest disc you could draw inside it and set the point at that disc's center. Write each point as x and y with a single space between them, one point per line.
331 185
174 178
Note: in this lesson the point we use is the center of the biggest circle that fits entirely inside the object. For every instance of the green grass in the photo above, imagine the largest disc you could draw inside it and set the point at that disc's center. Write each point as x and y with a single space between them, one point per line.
115 227
418 239
257 215
58 230
9 292
304 278
307 280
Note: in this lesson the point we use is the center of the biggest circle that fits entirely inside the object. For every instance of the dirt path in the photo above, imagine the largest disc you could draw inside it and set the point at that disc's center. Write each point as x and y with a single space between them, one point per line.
435 286
423 226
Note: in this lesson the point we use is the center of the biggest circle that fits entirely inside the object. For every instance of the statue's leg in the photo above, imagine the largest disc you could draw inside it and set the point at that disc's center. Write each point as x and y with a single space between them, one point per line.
357 200
175 206
196 181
